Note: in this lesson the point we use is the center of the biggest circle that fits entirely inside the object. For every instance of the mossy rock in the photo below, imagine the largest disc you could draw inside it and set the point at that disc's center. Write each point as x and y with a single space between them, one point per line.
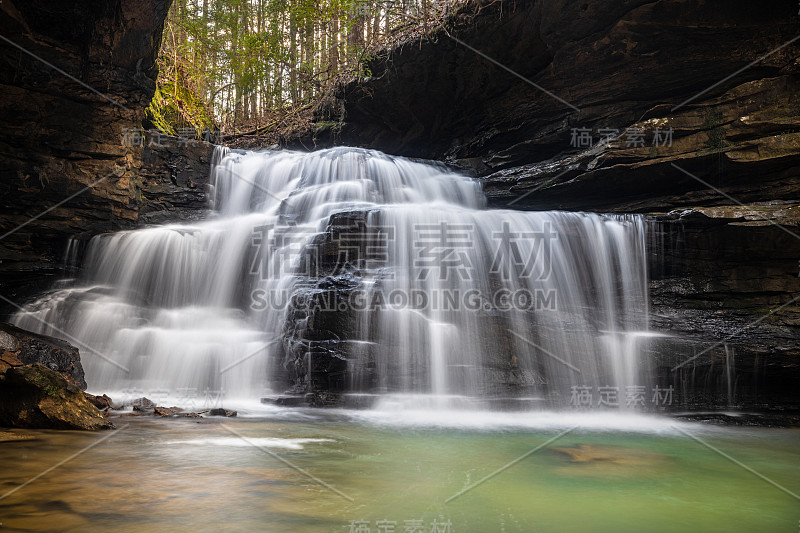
33 396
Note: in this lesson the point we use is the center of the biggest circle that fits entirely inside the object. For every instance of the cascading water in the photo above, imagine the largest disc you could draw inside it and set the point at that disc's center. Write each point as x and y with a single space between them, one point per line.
472 299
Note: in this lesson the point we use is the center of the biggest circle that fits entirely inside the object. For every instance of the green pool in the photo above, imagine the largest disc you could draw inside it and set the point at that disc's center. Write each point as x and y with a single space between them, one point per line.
339 471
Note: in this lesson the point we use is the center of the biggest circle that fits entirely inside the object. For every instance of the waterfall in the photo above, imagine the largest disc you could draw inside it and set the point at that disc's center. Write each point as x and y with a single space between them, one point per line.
473 302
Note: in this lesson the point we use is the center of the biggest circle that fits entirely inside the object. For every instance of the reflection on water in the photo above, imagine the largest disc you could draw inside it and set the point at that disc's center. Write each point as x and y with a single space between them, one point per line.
181 475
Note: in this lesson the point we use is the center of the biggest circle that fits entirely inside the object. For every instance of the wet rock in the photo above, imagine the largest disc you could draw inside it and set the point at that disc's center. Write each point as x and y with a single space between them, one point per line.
7 360
145 407
173 179
101 402
296 400
221 412
766 419
323 399
140 404
33 396
723 281
28 348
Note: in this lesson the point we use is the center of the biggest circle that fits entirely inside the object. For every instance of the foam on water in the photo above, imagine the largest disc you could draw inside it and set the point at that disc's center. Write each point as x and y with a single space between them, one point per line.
237 442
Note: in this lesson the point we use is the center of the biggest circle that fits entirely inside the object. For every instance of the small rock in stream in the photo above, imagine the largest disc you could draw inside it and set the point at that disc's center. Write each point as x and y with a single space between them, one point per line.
221 412
101 402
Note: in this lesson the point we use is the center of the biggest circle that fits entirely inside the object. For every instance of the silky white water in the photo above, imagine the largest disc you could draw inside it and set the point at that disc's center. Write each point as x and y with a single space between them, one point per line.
533 302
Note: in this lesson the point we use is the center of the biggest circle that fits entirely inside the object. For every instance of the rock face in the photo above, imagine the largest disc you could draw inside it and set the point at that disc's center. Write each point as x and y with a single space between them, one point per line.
743 144
696 99
604 64
173 179
316 334
725 286
29 348
70 139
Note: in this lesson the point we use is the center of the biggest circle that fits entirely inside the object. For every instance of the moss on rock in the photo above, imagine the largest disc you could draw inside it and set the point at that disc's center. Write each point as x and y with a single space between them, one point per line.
33 396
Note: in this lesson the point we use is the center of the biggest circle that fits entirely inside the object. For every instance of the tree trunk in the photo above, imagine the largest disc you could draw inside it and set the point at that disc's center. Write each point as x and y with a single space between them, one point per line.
334 45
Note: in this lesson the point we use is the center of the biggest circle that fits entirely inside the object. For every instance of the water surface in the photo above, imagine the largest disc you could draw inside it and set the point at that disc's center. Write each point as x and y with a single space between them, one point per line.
334 471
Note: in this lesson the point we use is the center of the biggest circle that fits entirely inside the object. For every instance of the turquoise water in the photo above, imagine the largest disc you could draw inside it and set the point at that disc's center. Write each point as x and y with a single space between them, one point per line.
335 471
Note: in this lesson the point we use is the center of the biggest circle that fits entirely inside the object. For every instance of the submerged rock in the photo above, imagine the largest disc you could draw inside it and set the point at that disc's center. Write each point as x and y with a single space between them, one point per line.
12 436
166 411
605 460
34 396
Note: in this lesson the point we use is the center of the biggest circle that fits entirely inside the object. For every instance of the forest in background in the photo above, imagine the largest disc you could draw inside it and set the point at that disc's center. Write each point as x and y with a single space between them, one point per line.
241 66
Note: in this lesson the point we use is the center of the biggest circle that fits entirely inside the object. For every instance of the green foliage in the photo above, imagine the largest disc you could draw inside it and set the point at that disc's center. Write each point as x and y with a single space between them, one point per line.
236 63
158 113
179 103
175 108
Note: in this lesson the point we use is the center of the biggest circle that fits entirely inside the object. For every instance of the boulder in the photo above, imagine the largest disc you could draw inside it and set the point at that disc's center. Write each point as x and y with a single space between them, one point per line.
34 396
28 348
141 404
101 402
